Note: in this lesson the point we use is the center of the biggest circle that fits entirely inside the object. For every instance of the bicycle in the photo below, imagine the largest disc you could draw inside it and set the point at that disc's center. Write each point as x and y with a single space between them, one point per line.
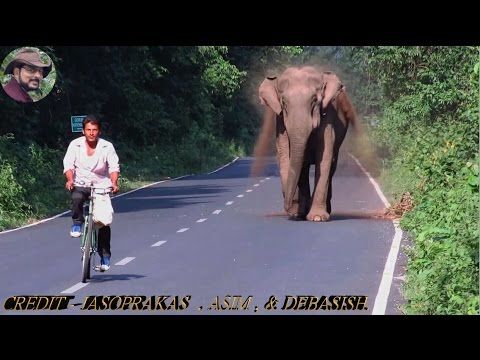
89 237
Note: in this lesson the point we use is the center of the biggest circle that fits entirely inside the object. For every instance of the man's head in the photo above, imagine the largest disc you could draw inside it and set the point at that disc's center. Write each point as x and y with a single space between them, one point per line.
28 68
91 128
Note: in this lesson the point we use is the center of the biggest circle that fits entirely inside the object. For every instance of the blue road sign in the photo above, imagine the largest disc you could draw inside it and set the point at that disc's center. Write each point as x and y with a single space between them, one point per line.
76 122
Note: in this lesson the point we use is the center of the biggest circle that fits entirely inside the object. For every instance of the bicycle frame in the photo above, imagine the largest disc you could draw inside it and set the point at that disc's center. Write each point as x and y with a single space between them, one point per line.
89 238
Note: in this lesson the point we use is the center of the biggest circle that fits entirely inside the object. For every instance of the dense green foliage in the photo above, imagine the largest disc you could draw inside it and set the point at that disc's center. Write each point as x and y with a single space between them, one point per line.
177 110
168 110
427 132
30 182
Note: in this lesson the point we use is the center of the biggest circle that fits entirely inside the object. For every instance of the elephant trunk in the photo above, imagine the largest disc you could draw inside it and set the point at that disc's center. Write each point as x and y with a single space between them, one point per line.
297 152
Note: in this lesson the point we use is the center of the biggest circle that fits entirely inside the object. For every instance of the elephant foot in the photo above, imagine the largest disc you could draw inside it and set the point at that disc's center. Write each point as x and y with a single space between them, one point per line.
297 217
295 213
318 215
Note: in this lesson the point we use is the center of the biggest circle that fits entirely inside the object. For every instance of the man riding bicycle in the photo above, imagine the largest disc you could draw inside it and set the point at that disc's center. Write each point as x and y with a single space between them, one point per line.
91 160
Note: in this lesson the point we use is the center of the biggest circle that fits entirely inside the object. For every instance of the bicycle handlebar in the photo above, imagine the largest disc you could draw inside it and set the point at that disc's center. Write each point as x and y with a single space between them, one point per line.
100 190
91 185
95 189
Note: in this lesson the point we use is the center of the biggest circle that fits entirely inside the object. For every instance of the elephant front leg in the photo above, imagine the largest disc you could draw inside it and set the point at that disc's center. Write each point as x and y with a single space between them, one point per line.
318 210
300 202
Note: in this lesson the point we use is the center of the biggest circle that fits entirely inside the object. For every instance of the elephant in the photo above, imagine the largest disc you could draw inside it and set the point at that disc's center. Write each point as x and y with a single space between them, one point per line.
312 112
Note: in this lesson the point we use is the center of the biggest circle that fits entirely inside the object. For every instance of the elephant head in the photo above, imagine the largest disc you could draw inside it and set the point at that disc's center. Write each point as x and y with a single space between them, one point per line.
302 95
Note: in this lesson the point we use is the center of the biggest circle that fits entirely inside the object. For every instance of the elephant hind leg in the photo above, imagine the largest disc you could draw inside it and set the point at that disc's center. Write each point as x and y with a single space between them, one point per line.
304 199
329 200
329 193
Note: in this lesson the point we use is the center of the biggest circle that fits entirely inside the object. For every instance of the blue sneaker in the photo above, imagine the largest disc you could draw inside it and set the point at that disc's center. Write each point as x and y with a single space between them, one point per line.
76 231
104 264
104 267
105 260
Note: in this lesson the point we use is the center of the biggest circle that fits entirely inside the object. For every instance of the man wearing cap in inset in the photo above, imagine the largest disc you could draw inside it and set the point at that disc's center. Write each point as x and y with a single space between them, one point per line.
28 70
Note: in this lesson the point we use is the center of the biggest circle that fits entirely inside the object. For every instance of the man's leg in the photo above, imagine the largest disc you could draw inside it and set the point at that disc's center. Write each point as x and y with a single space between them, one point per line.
104 236
79 195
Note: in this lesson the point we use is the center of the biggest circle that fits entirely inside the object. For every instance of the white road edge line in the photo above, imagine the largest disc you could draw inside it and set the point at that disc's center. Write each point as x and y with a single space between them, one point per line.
201 220
182 230
372 180
224 166
148 185
74 288
381 300
68 211
36 223
125 261
216 212
158 243
113 197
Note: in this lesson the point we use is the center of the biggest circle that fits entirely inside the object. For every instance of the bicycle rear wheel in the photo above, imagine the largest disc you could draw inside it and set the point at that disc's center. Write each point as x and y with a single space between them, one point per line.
93 249
87 247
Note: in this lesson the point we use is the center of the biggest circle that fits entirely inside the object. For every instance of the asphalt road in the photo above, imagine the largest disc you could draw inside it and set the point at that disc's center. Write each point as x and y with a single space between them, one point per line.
214 244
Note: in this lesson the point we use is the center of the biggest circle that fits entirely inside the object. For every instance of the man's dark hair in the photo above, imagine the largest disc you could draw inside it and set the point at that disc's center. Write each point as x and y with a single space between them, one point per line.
92 119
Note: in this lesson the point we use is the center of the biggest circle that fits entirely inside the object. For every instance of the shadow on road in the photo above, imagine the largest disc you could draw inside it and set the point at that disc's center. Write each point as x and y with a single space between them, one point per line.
353 215
241 170
168 197
103 277
187 191
338 216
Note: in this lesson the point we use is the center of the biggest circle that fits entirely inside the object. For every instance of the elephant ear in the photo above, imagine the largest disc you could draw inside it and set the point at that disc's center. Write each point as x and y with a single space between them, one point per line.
268 94
331 85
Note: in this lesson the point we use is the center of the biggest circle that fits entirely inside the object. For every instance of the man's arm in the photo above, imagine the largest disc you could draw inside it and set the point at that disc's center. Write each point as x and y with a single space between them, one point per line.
68 167
113 168
114 178
69 183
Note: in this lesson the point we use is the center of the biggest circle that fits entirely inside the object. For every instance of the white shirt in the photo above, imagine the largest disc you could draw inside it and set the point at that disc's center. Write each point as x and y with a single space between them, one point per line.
95 168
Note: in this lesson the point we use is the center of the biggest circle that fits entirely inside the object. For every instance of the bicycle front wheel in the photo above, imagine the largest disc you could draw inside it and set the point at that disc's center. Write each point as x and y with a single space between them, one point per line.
87 247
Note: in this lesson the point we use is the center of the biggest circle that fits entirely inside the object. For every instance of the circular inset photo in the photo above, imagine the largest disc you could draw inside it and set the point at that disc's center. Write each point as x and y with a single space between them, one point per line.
27 74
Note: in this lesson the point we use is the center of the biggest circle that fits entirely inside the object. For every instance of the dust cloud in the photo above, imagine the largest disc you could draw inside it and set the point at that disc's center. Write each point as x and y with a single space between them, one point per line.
265 145
358 143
